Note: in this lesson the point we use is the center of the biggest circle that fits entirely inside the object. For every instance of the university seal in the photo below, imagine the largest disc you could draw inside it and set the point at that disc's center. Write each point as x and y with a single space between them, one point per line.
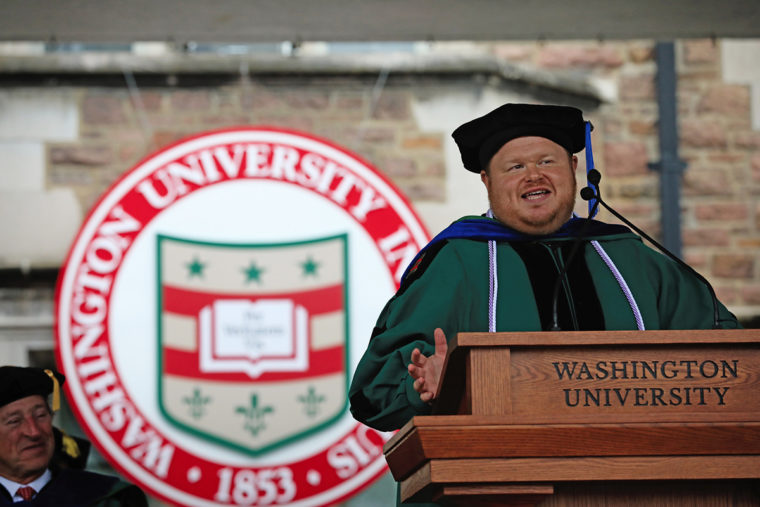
213 306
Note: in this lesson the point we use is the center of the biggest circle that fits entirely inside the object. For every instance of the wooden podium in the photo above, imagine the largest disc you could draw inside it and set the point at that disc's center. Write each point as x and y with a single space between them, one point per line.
665 418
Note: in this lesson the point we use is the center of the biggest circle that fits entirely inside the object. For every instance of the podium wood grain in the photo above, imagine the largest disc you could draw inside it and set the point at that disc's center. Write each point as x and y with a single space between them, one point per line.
529 418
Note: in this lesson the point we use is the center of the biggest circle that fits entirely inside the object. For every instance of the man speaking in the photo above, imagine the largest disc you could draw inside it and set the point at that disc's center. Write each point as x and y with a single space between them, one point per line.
527 265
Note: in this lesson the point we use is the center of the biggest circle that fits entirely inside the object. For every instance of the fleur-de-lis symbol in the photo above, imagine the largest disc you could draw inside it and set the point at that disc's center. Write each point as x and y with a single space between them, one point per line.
311 401
197 403
254 415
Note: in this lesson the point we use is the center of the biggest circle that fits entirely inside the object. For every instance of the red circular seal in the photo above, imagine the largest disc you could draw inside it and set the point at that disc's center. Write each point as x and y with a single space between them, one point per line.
213 307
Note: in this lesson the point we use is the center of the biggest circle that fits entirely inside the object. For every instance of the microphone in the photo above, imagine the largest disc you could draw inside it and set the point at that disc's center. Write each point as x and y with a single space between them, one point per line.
588 193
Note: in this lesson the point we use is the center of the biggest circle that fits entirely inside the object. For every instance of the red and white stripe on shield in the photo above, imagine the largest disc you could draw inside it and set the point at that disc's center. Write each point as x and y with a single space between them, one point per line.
254 331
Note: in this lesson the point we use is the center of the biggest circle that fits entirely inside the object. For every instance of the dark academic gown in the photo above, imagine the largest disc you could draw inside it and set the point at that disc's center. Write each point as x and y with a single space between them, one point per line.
79 488
447 285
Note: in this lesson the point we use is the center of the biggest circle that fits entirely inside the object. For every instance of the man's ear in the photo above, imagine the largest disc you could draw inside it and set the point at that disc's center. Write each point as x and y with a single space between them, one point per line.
484 178
575 162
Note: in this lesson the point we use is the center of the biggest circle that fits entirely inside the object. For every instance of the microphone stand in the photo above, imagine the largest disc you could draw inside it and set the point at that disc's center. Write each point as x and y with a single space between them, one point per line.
566 266
589 193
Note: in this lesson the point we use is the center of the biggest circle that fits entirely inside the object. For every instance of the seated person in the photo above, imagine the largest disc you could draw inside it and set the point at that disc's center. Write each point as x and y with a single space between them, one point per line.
30 474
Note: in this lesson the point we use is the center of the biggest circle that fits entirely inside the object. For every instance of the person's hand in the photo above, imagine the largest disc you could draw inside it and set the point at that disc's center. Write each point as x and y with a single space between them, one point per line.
426 370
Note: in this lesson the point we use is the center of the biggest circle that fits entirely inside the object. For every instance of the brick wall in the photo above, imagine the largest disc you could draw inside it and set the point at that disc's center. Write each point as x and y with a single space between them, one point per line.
720 208
118 129
63 145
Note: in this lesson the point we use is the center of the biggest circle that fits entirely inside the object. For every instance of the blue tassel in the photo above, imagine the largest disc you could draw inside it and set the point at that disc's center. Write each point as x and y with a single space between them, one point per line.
589 166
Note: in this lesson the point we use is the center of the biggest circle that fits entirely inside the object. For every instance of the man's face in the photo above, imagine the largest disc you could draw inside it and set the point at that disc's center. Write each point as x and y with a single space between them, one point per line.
26 439
531 185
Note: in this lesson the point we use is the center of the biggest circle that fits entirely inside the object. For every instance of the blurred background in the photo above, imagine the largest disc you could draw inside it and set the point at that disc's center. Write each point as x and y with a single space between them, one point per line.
89 88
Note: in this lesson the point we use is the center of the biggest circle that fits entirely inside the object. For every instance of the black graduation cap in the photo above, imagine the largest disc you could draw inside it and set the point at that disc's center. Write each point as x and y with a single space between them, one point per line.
17 382
481 138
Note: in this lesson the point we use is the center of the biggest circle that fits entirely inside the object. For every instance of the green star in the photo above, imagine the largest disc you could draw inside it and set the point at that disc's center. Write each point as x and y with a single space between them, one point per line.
195 268
253 273
310 267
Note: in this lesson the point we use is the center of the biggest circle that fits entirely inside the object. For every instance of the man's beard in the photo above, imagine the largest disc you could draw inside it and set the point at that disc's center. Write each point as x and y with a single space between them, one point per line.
562 214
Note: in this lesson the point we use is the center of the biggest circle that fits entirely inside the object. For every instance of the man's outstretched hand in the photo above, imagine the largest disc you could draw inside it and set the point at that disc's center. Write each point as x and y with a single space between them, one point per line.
426 370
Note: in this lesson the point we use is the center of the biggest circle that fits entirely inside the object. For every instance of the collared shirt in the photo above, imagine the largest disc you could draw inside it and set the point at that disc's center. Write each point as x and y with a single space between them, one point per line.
37 484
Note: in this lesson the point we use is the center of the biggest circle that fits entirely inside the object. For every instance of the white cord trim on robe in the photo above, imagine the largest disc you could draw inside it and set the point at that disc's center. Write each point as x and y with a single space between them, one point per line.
493 281
621 282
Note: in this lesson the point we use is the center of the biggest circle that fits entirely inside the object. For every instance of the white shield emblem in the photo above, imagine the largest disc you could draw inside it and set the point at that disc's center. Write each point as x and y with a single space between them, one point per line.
252 338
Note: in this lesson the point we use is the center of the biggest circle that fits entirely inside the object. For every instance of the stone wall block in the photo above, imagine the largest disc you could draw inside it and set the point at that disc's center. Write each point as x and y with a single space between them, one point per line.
183 101
163 138
637 190
625 158
611 128
422 142
726 295
513 52
750 243
702 51
382 135
751 294
130 152
755 166
66 176
81 155
41 229
23 166
636 210
435 168
260 98
398 167
702 134
309 101
705 237
350 102
747 139
103 110
637 87
38 116
697 261
726 158
726 99
705 182
208 122
641 54
733 266
643 127
227 100
392 106
722 211
342 134
151 101
423 190
566 56
296 122
652 227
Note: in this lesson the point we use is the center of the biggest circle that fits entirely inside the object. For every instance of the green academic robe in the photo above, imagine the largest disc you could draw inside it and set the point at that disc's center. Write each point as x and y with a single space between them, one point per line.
449 288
